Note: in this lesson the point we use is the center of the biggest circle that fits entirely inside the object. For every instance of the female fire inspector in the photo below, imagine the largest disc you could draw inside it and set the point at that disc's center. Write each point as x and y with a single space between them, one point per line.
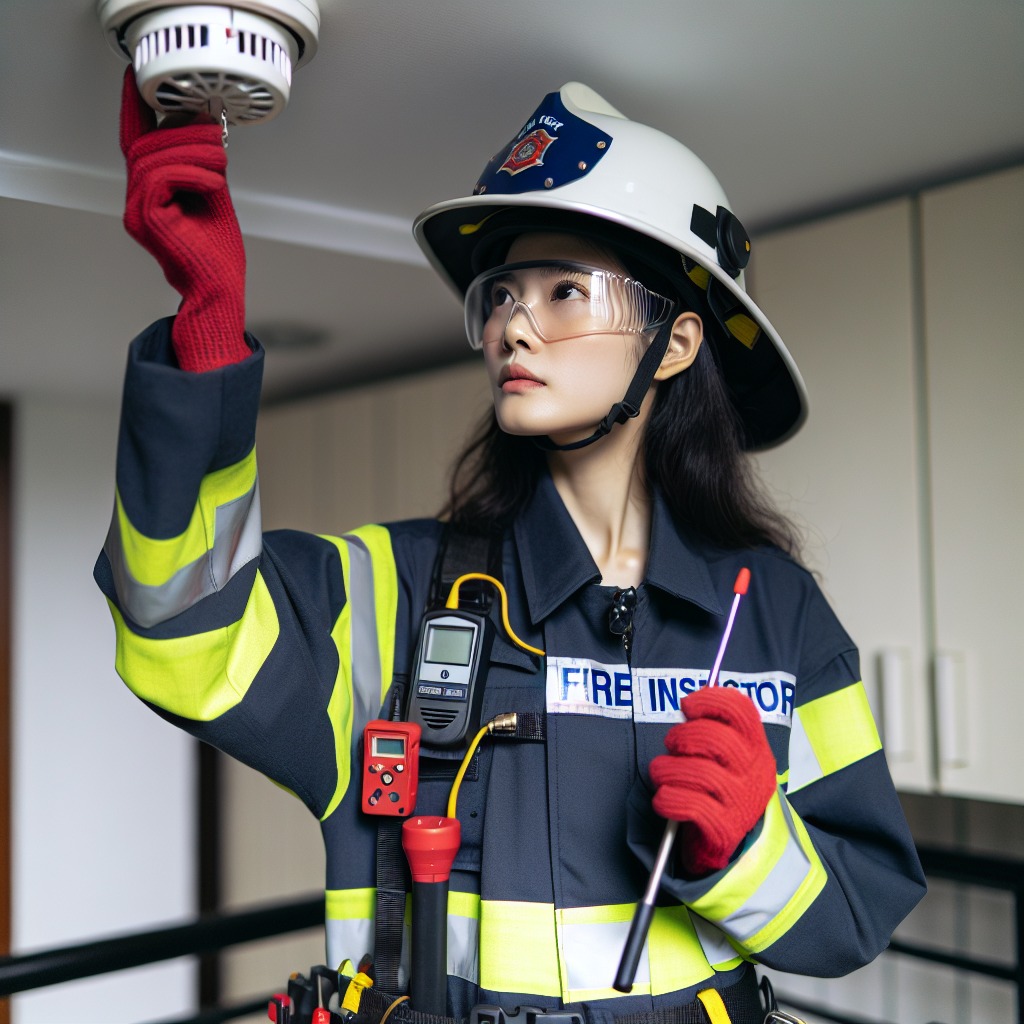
602 275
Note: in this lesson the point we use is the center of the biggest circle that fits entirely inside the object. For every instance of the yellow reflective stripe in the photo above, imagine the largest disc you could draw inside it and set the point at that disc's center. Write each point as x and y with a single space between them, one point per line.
377 541
347 903
591 941
840 728
746 876
809 890
153 562
385 593
674 952
199 677
717 1013
339 708
464 904
612 914
518 949
770 886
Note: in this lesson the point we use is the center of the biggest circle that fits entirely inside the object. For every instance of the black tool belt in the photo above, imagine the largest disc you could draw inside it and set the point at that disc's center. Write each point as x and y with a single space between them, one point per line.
741 1001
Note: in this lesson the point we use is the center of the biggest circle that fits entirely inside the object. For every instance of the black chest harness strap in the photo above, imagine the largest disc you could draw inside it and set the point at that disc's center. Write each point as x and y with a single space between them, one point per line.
458 553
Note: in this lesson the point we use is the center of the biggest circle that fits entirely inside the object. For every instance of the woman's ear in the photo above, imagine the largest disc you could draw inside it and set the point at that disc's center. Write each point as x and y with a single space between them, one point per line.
687 335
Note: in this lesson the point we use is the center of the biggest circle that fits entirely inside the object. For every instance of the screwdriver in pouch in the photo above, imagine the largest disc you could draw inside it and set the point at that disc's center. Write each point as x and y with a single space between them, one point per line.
644 913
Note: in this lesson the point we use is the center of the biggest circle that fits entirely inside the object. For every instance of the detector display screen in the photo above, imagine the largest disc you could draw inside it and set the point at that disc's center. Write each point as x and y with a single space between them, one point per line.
388 747
449 645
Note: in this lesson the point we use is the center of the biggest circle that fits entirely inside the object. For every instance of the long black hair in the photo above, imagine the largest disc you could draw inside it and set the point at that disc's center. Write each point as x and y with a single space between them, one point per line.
692 454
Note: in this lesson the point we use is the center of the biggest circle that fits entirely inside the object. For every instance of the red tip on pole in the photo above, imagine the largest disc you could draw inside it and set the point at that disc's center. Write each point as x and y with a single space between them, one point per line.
430 846
742 582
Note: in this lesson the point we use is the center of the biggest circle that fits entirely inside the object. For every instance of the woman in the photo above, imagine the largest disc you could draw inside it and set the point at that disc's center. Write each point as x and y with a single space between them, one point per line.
601 270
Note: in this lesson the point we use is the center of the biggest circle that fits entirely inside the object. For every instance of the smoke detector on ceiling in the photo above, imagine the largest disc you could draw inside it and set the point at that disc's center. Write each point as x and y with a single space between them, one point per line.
236 60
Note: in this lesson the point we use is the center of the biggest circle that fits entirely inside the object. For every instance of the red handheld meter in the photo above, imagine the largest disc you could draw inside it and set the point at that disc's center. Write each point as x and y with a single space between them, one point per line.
391 767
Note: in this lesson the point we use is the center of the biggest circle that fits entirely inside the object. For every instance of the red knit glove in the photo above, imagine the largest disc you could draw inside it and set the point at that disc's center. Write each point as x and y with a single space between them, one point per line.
179 209
717 778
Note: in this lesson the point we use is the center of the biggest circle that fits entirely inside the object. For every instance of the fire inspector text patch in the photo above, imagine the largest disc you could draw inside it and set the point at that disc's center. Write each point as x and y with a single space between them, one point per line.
580 686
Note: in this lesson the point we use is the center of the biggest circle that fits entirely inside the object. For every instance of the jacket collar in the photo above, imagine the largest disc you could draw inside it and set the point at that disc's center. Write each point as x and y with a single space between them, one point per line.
676 564
555 561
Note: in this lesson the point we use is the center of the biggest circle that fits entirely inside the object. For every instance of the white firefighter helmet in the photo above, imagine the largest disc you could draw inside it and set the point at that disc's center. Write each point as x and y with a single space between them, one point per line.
579 165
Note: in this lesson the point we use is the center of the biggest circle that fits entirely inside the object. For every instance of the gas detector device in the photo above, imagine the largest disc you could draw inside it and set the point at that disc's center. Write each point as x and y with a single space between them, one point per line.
446 687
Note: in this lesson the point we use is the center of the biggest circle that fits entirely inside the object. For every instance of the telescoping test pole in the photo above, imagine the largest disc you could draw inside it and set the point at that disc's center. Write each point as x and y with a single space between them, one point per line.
644 913
430 845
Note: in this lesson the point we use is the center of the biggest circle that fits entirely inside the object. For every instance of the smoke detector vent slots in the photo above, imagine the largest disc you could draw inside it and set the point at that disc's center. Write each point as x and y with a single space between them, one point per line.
234 59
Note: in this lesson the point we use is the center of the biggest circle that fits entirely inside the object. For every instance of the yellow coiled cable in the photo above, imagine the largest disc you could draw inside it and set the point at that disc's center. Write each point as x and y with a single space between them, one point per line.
453 602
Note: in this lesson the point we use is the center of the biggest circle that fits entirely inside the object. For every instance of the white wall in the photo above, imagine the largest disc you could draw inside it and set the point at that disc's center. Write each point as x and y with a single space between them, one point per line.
103 790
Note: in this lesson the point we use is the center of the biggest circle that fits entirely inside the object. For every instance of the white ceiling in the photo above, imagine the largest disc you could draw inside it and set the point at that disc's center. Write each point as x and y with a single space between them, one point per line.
796 105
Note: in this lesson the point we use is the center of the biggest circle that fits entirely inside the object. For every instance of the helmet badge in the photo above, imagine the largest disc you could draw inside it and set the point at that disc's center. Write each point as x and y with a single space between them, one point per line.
532 162
528 152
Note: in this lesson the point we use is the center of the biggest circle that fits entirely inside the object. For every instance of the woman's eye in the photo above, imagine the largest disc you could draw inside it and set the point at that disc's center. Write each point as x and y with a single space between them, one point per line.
568 290
500 297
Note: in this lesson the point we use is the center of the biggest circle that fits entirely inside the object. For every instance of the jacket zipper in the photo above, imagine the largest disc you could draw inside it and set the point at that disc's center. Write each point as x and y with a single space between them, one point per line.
620 618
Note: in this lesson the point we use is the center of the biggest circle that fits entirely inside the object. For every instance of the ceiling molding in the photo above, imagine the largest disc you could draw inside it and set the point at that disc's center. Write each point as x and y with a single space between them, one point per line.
380 236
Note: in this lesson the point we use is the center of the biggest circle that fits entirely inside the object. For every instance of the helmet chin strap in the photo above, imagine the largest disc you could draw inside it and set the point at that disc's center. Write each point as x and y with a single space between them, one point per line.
631 403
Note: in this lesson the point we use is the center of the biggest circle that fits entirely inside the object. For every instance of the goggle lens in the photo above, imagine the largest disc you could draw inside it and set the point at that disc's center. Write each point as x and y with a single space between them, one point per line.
558 301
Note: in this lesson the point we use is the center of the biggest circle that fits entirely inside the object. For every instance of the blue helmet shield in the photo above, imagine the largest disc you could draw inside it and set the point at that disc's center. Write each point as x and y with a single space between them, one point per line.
553 148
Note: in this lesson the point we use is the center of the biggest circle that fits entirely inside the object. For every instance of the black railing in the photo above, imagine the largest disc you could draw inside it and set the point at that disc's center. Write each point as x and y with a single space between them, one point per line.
213 932
207 934
965 869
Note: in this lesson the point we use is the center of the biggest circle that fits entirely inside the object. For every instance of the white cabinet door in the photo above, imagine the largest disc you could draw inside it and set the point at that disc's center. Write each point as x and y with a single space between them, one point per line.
840 293
974 312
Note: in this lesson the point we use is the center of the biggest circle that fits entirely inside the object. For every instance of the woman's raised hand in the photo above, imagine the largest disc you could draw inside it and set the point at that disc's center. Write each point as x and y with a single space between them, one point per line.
179 209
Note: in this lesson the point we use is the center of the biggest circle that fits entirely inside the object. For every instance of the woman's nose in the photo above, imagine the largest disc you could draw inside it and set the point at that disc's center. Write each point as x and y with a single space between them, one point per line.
520 329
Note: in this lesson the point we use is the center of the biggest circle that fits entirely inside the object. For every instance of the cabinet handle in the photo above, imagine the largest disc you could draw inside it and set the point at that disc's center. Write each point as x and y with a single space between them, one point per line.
951 708
894 675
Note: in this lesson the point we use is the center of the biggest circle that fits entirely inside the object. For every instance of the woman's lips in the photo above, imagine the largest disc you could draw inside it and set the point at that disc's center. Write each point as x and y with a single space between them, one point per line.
520 386
515 380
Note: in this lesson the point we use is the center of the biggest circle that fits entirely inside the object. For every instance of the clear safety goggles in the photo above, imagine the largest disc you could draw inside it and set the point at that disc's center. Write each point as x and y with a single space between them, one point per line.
559 300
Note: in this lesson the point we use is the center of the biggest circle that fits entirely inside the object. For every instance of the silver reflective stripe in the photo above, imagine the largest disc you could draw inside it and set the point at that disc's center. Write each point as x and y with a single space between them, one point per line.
366 681
349 938
237 540
775 891
717 948
591 955
803 762
464 947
